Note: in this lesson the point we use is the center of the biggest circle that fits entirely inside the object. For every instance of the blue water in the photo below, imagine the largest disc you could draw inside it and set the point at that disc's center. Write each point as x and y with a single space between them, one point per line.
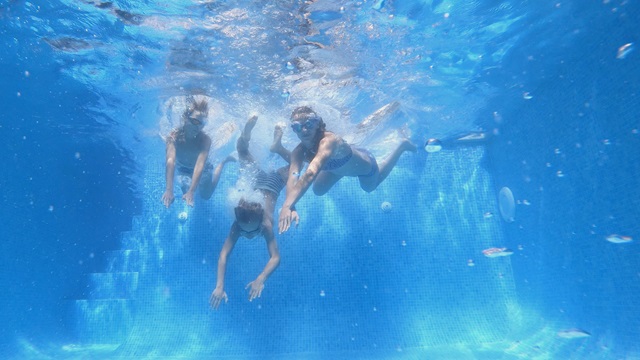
94 267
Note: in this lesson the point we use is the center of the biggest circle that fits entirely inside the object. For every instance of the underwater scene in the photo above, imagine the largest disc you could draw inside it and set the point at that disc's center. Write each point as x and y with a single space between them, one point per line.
320 179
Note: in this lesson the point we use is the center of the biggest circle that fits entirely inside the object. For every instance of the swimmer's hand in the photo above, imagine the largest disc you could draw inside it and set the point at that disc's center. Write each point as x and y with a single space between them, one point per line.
216 298
256 286
188 198
287 216
167 198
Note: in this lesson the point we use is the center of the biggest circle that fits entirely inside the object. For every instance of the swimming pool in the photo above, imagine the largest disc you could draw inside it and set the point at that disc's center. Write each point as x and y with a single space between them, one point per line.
96 267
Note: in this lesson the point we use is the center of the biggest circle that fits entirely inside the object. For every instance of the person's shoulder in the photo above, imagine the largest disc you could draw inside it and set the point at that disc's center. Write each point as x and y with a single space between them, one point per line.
173 135
267 231
234 231
331 136
205 139
330 140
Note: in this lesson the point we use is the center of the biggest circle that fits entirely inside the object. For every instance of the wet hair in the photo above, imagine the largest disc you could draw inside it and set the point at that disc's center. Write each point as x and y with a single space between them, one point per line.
302 112
248 211
196 103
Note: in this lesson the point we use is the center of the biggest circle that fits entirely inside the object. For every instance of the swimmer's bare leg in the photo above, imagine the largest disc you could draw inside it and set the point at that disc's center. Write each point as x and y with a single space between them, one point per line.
276 146
242 145
390 161
208 188
248 127
324 182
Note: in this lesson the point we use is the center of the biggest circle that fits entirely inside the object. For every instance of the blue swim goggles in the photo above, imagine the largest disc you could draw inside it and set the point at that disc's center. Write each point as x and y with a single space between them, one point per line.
196 121
297 127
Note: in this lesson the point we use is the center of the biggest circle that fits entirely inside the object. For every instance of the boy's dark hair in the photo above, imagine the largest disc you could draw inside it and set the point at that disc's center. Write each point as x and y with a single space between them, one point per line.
249 211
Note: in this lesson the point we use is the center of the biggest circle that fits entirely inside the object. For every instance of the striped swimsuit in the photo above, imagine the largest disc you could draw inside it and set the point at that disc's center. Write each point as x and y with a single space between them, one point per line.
271 181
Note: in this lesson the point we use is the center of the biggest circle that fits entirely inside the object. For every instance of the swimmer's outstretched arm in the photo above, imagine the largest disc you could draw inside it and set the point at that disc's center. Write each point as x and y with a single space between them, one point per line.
291 193
256 286
296 187
218 293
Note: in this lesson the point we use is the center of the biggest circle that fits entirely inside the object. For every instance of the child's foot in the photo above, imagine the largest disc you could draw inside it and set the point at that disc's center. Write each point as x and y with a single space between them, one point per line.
407 145
248 127
276 146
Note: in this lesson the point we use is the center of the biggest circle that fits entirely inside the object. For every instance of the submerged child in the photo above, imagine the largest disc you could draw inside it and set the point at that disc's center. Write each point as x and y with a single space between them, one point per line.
254 215
187 151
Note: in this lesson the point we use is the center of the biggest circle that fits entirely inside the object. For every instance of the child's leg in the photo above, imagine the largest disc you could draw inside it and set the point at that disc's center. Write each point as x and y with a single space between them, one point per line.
208 187
390 162
276 146
369 184
242 145
324 182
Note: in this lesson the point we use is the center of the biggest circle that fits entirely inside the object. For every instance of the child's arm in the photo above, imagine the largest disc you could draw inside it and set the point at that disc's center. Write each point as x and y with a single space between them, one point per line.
218 293
257 285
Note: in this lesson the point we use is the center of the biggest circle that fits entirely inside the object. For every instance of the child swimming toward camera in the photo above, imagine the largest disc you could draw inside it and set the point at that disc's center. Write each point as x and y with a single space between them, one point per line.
253 215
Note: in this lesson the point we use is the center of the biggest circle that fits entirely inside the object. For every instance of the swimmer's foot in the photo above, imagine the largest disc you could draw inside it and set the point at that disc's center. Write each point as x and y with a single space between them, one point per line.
230 158
407 145
276 146
248 127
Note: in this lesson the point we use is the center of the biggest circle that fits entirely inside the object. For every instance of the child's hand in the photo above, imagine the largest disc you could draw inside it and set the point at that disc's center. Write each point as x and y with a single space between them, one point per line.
167 198
188 197
216 298
294 217
256 289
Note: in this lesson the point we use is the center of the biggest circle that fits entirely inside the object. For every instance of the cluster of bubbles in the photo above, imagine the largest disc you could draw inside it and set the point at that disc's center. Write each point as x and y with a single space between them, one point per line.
244 190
